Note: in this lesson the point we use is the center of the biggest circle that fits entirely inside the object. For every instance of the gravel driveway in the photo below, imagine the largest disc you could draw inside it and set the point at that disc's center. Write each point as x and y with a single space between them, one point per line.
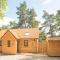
27 57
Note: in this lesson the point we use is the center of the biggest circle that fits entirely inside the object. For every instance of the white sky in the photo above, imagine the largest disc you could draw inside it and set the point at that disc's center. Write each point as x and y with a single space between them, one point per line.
5 21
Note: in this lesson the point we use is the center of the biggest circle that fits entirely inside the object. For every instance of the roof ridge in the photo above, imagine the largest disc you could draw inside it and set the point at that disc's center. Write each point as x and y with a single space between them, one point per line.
20 33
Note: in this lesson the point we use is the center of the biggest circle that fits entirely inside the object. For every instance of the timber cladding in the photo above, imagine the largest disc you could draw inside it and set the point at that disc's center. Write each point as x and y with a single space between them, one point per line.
19 41
42 47
9 44
30 47
26 41
53 46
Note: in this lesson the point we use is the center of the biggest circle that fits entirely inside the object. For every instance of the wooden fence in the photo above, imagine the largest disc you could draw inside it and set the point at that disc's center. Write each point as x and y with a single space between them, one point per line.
42 47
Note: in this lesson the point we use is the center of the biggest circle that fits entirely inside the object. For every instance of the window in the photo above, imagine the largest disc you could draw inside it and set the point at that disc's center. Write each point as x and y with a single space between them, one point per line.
0 43
26 34
26 43
8 44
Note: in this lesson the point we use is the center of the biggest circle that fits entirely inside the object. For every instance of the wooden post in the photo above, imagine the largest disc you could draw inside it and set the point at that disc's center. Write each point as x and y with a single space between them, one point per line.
37 45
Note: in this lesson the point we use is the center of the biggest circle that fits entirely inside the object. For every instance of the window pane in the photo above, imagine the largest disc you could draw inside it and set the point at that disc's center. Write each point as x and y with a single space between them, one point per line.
25 42
26 34
8 43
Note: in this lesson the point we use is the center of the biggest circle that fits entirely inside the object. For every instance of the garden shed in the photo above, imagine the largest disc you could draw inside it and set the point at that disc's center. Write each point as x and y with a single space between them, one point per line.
53 46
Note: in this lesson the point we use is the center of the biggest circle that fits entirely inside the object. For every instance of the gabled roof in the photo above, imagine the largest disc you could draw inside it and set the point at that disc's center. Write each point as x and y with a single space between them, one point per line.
20 33
2 32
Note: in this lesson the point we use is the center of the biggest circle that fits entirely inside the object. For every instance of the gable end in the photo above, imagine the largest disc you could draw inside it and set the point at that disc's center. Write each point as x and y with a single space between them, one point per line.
6 32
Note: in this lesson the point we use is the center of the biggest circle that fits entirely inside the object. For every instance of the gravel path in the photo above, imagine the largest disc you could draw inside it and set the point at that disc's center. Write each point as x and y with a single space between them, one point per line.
27 57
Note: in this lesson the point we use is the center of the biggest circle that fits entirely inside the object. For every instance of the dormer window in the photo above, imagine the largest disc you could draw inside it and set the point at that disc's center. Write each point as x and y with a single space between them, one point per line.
26 34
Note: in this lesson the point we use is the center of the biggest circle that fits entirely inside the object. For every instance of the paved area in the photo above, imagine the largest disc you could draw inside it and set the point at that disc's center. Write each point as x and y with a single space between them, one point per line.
27 57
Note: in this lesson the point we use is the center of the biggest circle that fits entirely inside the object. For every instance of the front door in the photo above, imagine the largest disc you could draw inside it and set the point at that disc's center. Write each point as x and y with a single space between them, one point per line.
0 46
17 46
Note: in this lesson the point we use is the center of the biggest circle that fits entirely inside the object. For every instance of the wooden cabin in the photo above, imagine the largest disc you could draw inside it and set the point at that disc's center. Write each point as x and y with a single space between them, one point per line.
14 41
